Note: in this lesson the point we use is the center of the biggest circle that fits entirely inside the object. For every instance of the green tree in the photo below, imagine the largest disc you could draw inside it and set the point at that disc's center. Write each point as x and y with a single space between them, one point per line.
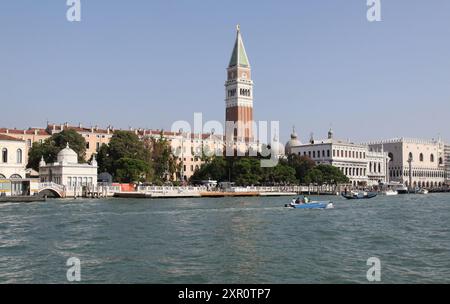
126 158
332 175
131 170
216 169
302 166
314 176
247 171
165 164
50 148
281 174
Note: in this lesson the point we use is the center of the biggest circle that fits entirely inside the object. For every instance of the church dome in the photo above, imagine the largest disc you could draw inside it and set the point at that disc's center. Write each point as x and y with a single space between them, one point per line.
67 156
293 142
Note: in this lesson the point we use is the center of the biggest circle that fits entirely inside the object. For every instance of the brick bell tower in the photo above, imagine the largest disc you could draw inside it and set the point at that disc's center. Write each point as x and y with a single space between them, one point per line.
239 91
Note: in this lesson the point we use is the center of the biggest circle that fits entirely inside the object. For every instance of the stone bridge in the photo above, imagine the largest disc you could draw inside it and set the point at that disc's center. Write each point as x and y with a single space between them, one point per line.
52 189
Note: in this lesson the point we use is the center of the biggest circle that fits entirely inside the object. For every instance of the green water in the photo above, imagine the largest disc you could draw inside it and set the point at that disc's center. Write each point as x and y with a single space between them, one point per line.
226 240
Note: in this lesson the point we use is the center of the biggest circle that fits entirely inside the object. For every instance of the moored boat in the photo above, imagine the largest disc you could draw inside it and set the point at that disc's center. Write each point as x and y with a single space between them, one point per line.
422 191
359 195
399 187
390 192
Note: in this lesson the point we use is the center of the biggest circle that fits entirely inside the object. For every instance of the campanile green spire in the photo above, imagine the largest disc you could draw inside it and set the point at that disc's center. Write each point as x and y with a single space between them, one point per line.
239 57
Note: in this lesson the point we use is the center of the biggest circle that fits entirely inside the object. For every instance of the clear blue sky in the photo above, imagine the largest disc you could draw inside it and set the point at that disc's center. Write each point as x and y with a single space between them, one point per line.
315 63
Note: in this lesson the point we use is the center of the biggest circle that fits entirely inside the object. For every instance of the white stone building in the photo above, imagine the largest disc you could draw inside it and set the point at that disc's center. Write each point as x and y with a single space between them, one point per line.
361 166
13 158
427 161
68 173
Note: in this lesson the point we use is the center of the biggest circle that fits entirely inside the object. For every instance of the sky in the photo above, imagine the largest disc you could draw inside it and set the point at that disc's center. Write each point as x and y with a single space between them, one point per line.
316 64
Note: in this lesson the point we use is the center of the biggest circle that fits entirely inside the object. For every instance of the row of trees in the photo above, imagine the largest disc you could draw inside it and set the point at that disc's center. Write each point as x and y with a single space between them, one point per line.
129 159
245 171
126 157
50 148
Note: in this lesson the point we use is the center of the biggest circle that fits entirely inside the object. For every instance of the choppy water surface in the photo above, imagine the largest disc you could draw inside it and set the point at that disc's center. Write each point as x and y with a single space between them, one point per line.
226 240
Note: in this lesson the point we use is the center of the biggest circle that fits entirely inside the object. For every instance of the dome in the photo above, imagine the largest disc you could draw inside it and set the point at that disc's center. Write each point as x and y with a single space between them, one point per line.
293 142
277 148
67 156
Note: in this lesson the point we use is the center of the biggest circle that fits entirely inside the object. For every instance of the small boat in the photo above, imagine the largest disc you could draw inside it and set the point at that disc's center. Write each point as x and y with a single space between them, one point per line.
422 191
390 192
359 195
312 205
304 203
399 187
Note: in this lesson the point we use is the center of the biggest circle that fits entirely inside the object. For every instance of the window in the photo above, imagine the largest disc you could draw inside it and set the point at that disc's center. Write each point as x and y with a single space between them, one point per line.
29 143
391 157
87 145
97 146
432 158
410 156
421 157
440 161
314 154
19 156
4 155
328 153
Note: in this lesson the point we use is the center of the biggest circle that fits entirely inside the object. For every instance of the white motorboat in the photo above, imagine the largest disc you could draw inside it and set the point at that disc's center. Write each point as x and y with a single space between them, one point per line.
422 191
390 192
396 186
